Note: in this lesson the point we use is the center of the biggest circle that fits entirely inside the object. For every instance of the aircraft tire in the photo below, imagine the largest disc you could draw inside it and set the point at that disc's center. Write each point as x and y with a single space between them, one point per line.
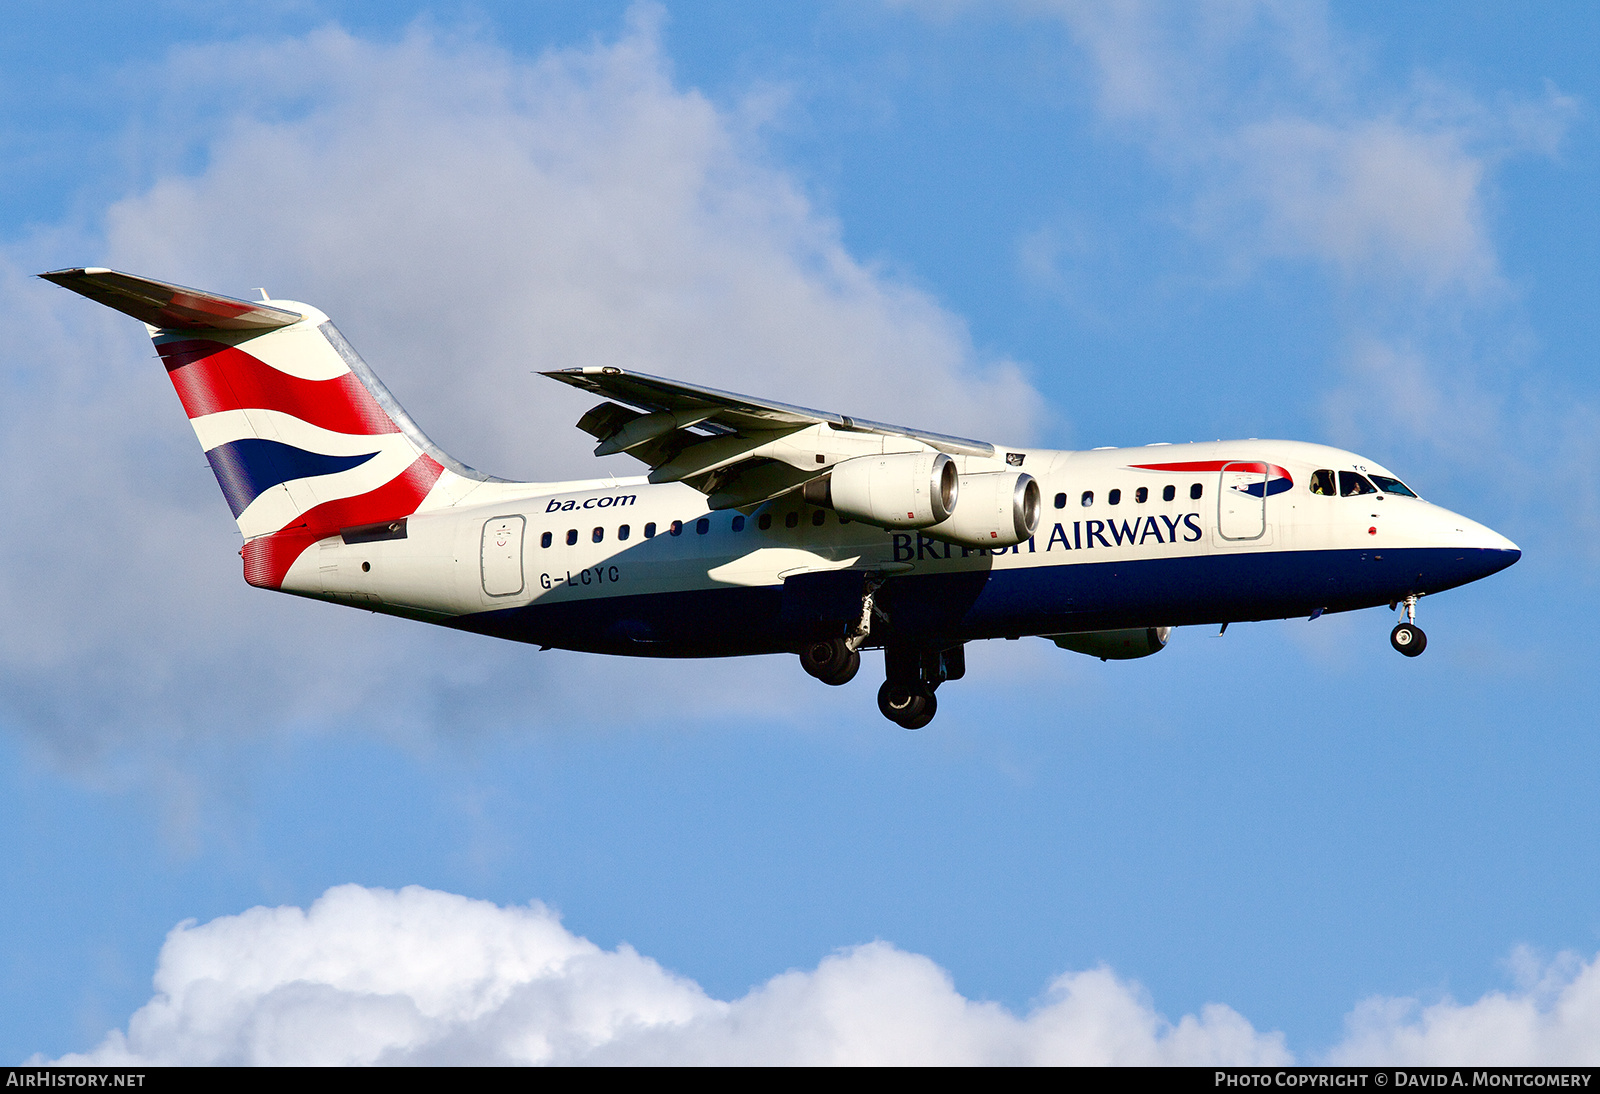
911 707
1408 639
827 658
930 707
845 672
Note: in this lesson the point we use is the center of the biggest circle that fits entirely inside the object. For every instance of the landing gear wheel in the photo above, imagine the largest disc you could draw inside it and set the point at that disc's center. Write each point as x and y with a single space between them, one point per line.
1408 639
830 660
845 672
911 707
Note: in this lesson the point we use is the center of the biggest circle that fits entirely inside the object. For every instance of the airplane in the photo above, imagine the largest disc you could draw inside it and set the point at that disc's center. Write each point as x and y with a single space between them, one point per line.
765 528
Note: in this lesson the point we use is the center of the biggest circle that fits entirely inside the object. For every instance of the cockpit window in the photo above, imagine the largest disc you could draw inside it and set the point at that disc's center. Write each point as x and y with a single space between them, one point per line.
1352 484
1322 483
1393 486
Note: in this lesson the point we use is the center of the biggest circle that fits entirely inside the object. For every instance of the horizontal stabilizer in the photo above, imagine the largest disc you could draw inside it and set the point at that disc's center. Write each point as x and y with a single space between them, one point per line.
171 307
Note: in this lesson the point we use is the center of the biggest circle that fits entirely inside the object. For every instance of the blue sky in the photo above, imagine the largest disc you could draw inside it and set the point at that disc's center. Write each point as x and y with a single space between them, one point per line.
1073 225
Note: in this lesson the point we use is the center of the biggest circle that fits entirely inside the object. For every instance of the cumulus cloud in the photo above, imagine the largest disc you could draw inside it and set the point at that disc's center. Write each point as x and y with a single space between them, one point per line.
468 217
371 976
1553 1017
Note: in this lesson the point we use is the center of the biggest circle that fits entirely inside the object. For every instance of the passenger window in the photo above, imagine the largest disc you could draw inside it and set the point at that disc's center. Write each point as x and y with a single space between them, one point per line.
650 530
791 520
1114 498
676 528
544 540
1322 484
1088 498
1393 486
1168 493
702 526
1141 495
1353 485
572 536
764 522
818 517
623 532
598 534
738 524
1196 490
1061 501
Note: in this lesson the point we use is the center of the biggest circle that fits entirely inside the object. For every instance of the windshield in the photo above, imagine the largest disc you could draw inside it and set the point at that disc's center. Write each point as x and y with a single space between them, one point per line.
1393 486
1352 484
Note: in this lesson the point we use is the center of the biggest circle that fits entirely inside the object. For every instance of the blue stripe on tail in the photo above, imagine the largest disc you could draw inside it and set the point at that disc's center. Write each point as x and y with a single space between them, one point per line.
246 468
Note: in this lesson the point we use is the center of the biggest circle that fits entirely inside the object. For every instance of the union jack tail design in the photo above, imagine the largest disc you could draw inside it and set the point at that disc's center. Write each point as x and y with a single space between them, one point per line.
303 438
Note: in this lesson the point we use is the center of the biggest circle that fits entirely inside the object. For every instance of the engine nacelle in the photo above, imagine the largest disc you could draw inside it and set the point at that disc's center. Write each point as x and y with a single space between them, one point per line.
998 509
899 490
1115 645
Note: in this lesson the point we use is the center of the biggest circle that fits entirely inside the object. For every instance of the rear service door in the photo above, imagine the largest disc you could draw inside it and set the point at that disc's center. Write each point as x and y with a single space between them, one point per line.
1242 501
502 555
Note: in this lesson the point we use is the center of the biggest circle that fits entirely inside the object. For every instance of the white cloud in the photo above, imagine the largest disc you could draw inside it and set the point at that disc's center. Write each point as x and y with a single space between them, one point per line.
370 976
1552 1018
468 217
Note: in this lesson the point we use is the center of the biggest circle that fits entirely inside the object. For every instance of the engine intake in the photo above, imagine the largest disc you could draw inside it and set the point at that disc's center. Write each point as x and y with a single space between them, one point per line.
998 509
899 490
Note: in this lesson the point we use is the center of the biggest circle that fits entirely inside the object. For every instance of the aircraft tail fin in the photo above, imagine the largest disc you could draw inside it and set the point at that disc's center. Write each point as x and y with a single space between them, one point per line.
304 440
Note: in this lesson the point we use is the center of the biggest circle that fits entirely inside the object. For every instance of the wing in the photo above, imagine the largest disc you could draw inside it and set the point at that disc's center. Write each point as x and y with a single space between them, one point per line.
737 450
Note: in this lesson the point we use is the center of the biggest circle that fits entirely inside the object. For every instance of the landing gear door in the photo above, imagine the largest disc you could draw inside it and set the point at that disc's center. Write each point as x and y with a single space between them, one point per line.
1242 501
502 555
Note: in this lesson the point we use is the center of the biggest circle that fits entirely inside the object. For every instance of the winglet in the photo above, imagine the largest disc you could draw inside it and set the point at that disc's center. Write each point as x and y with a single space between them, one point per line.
172 307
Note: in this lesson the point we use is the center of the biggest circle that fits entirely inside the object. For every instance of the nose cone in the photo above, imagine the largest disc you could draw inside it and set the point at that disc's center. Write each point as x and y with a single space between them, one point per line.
1484 550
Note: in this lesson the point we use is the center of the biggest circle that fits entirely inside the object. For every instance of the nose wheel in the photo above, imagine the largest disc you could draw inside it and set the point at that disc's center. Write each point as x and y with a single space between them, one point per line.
1407 637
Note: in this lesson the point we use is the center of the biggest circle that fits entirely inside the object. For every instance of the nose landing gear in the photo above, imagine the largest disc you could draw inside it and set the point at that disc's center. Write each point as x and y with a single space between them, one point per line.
1407 637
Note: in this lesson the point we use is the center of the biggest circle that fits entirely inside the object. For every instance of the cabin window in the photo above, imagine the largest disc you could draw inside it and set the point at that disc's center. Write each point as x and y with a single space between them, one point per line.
544 540
1353 485
1168 493
818 517
572 536
738 523
702 526
1088 498
650 530
1322 484
623 532
1195 490
1114 498
1393 486
791 520
598 534
676 527
764 521
1061 501
1141 495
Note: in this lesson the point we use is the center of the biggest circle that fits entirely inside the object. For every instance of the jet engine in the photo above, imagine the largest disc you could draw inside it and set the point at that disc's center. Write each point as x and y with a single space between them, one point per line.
998 509
899 490
1115 645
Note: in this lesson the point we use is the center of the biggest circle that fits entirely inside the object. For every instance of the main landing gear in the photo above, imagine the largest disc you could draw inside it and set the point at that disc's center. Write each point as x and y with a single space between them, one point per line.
1407 637
906 697
912 671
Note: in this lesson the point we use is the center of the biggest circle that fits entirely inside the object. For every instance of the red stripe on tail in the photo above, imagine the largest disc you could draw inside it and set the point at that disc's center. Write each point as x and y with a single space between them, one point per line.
268 558
211 377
